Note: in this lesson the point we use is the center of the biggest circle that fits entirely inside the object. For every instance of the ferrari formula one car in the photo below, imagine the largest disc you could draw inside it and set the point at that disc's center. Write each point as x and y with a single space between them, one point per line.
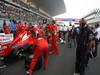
19 47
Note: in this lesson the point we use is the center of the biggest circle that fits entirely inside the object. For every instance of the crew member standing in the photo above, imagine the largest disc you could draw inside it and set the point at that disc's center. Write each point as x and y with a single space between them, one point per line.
54 38
82 50
6 29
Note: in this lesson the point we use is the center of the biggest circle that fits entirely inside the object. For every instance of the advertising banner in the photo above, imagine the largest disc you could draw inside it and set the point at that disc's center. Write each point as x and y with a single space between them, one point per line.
4 38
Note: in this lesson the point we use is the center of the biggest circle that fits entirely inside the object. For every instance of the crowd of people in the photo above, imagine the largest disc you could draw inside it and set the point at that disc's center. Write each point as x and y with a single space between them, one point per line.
85 38
42 36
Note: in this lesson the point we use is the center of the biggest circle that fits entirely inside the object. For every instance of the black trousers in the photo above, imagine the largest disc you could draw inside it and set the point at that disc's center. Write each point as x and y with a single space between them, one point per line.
14 32
64 34
96 46
81 59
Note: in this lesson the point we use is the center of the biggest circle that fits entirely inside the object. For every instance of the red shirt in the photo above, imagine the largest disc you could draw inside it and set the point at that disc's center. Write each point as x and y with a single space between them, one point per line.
36 29
40 43
21 27
24 27
54 38
54 27
18 26
49 29
6 29
40 31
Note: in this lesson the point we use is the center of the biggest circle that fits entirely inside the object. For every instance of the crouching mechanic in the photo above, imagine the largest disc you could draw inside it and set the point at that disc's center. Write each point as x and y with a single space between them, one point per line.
40 47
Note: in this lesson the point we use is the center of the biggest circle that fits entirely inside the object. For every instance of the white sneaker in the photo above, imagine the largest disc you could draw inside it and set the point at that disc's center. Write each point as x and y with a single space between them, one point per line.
64 41
76 73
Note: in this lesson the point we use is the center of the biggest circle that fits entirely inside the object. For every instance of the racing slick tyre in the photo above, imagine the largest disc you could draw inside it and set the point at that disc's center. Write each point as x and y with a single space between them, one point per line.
28 60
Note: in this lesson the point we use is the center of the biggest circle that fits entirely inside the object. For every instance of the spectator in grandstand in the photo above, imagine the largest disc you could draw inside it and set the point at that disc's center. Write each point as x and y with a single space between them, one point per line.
12 26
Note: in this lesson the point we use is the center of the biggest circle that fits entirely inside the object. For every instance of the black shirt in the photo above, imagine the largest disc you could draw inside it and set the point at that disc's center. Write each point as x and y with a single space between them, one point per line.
83 35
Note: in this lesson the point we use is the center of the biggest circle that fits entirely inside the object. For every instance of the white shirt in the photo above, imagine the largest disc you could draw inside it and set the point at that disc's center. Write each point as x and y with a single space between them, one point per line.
98 33
64 28
69 28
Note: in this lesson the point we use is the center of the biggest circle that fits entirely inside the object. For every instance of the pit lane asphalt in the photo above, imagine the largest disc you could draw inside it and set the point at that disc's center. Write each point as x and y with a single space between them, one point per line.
62 64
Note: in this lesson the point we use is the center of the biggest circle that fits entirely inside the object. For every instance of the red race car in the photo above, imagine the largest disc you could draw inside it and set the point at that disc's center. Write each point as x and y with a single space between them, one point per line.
20 40
21 45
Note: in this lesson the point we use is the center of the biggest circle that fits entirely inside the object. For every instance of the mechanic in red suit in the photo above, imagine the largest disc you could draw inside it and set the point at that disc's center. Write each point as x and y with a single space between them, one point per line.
53 26
6 29
49 29
54 38
40 46
54 46
39 31
18 27
21 27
